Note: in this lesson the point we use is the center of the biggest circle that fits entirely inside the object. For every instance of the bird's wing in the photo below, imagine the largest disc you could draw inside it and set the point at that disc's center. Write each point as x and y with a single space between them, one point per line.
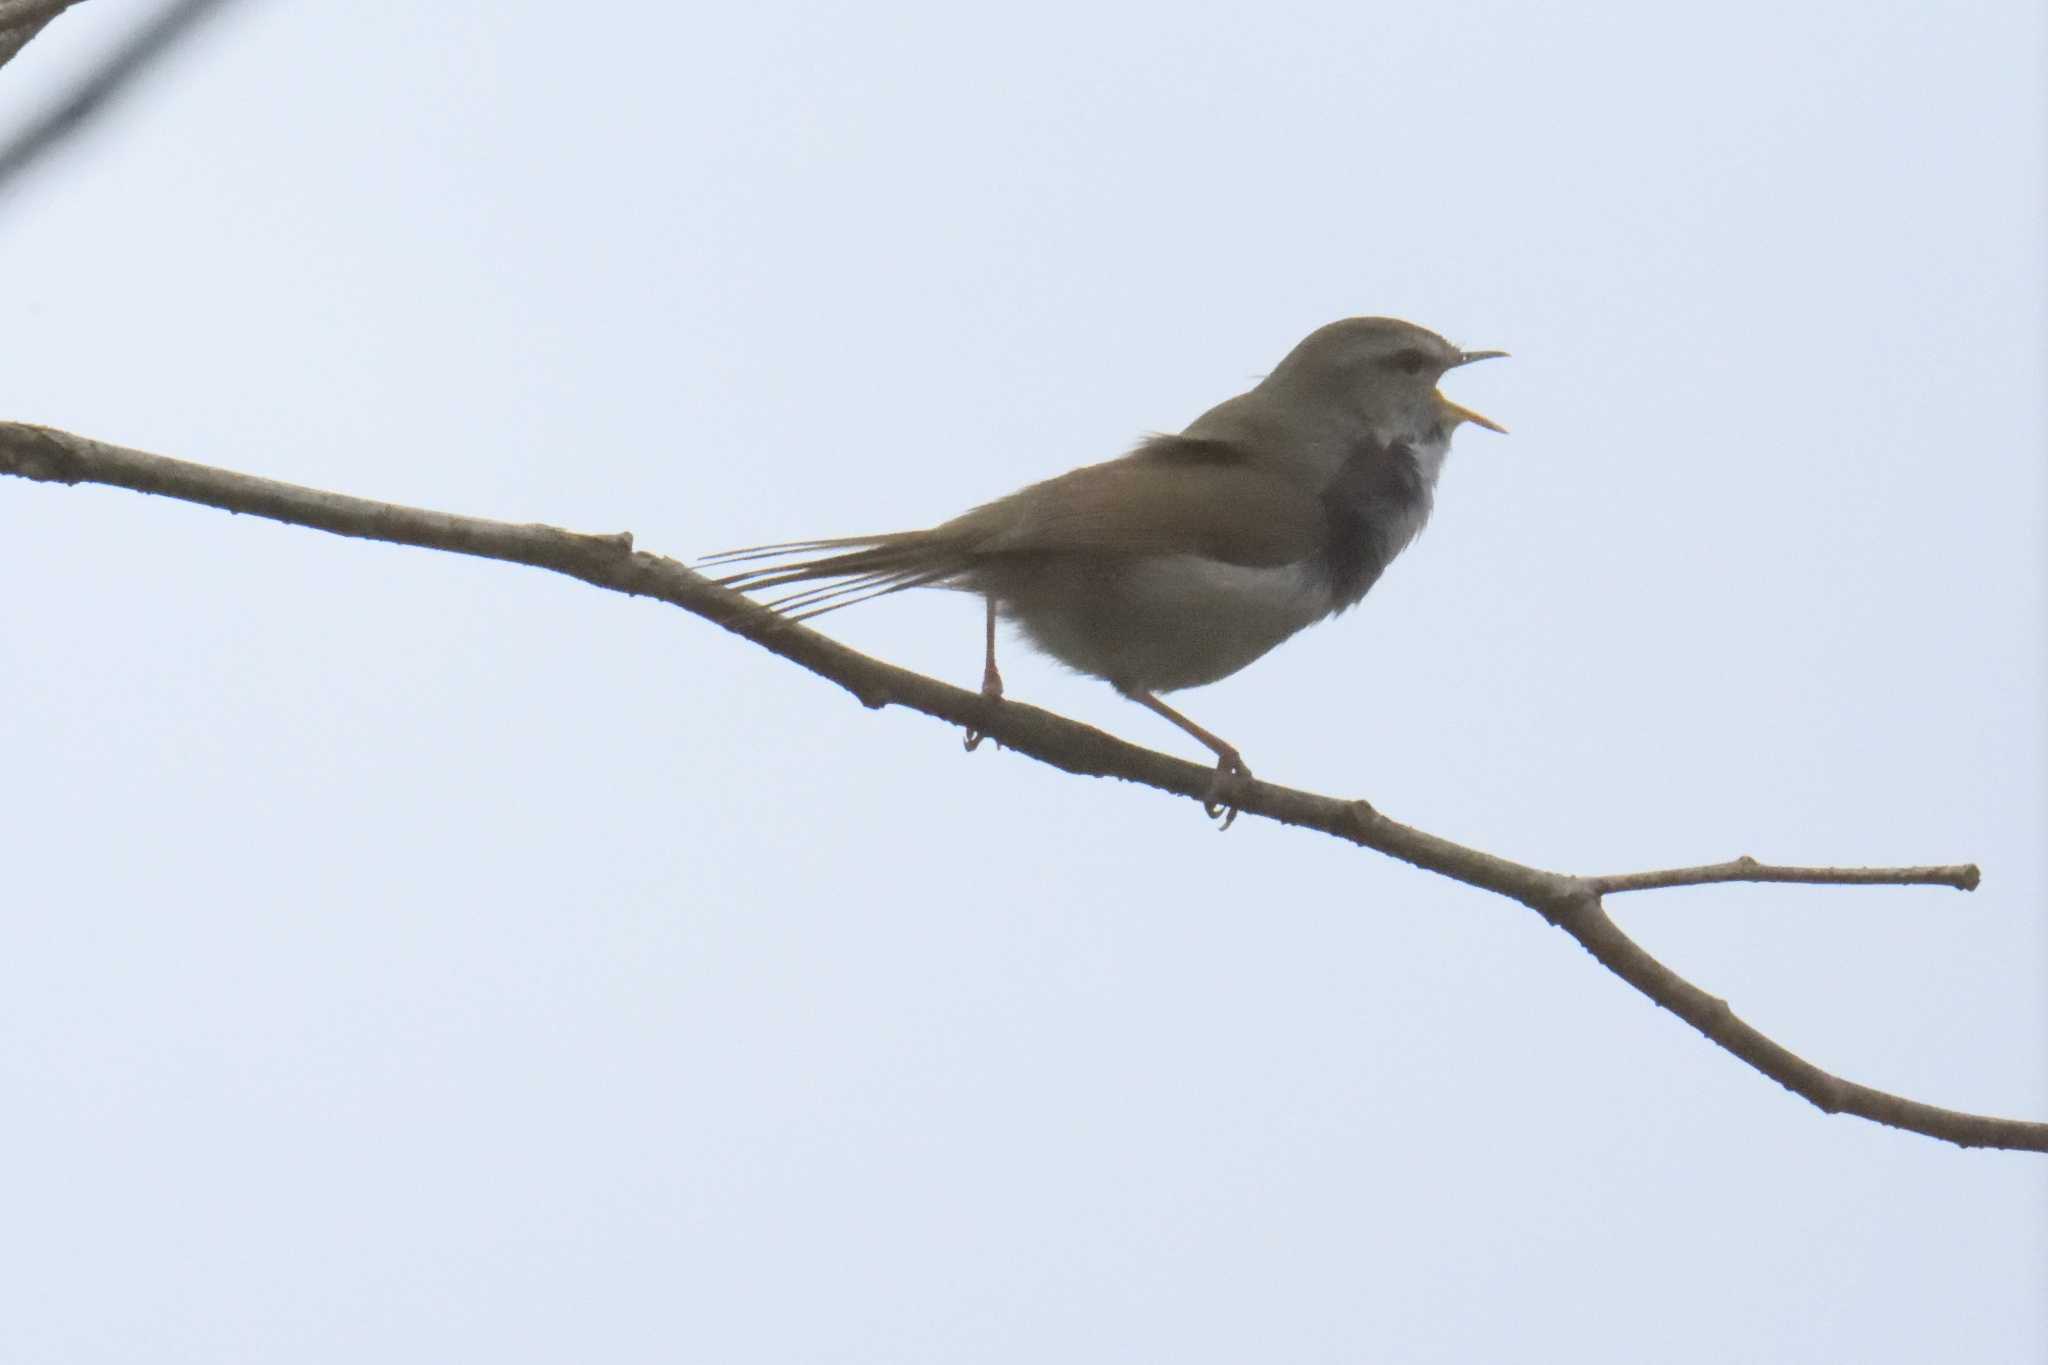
1172 495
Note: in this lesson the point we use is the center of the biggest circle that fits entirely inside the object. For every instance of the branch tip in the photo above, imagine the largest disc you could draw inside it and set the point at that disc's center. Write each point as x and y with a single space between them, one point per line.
1747 869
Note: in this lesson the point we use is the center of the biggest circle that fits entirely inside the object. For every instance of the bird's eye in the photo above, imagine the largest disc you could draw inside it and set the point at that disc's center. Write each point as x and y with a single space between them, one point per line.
1410 361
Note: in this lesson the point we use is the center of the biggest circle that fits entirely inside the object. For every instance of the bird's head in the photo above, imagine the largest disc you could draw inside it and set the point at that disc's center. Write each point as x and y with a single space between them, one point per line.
1379 372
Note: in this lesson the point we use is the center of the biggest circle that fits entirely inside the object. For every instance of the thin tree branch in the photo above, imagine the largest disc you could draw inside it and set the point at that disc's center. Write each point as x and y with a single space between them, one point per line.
21 20
22 13
609 561
143 47
15 13
1962 876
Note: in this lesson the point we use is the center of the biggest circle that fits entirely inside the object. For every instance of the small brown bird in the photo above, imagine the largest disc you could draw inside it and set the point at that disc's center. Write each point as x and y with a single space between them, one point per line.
1193 555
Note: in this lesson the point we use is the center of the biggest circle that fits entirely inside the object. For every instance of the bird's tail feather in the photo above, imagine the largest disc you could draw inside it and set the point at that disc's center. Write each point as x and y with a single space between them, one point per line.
864 568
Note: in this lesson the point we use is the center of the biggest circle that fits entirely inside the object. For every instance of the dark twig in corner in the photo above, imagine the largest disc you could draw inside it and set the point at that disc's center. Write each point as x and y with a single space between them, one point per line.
1572 903
21 20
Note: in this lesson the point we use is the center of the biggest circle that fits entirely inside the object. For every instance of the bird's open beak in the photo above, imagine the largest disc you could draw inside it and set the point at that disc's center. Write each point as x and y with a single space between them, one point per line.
1464 414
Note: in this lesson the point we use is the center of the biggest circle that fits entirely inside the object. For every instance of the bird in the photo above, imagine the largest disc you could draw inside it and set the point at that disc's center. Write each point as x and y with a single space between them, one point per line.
1192 555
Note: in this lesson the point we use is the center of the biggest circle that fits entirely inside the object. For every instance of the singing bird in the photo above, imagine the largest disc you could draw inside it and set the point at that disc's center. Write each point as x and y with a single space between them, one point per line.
1193 555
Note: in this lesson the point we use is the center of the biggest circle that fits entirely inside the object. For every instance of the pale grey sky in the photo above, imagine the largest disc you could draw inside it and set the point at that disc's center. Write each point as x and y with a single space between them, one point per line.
409 958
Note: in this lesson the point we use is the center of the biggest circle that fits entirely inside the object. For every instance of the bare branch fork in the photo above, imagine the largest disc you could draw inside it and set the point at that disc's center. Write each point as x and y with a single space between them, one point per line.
1573 903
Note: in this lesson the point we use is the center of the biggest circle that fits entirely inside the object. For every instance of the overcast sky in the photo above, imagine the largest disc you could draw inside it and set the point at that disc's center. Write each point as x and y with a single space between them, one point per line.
411 958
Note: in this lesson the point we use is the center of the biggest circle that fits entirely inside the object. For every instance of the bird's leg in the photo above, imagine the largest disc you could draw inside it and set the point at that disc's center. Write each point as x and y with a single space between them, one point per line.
1231 772
991 681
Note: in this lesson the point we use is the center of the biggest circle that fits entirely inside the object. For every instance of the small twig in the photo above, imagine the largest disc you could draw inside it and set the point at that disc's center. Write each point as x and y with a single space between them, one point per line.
21 13
1961 876
22 20
149 42
1573 904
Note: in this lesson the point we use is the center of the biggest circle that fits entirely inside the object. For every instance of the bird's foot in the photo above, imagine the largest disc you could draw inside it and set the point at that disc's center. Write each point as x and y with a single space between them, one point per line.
992 694
1220 801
